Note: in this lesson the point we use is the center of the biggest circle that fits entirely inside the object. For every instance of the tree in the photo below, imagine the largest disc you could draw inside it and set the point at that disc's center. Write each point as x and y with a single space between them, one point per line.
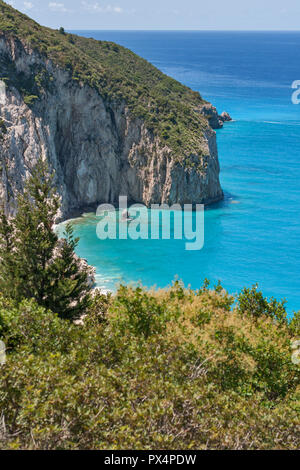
34 262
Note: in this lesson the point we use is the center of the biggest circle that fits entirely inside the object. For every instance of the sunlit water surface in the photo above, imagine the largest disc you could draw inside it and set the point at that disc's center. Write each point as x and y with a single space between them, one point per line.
253 235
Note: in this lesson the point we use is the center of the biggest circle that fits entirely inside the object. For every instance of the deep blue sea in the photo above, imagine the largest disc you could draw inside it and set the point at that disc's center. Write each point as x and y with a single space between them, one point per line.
253 235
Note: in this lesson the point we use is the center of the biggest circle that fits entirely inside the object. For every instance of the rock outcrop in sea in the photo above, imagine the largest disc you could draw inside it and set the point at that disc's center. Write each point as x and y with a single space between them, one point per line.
215 119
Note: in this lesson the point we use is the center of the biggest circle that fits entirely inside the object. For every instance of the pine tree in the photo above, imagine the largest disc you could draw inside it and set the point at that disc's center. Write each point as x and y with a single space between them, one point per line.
34 262
70 280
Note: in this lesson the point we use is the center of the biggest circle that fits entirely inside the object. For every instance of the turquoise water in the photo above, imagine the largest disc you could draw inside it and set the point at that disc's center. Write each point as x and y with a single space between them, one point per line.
253 235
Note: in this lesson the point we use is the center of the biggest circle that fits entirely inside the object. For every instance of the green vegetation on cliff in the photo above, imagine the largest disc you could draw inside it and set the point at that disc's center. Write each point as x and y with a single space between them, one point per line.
168 370
171 369
167 107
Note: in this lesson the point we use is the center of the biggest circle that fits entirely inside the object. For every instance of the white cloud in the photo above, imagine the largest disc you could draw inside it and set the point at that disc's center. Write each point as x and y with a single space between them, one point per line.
118 9
24 7
28 5
97 8
57 7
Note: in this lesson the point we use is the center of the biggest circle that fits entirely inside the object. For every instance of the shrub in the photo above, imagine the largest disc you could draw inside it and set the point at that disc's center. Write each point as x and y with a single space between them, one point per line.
253 302
138 381
30 99
28 324
294 325
140 312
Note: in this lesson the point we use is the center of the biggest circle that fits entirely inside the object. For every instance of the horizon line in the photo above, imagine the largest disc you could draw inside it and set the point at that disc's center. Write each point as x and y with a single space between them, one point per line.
195 30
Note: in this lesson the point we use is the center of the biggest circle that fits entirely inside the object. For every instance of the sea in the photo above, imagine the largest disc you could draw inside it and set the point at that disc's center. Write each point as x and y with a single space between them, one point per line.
253 235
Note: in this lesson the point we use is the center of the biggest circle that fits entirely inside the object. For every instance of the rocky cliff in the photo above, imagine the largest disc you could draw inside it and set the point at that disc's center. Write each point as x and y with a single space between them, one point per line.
101 144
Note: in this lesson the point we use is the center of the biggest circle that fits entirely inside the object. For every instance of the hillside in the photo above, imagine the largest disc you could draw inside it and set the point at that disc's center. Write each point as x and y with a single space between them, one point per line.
108 122
168 370
168 107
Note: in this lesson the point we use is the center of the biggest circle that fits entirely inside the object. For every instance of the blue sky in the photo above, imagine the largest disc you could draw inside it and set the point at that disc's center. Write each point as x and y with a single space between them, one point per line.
164 14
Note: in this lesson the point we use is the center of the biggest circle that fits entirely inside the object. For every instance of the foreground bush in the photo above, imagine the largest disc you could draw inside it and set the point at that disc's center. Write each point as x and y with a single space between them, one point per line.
173 369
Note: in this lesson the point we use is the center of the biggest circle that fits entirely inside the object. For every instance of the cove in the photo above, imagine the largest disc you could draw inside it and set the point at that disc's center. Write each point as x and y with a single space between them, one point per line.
253 235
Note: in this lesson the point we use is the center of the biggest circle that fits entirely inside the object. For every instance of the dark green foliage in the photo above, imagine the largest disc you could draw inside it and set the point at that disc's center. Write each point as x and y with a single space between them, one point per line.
295 324
30 99
32 86
3 130
140 312
35 264
3 126
28 324
69 290
253 302
170 109
98 308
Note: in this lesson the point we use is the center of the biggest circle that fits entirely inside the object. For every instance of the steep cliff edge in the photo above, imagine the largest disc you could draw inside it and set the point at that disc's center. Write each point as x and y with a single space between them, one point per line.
108 122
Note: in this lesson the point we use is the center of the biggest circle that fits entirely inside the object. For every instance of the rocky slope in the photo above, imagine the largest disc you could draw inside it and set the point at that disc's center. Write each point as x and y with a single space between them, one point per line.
100 144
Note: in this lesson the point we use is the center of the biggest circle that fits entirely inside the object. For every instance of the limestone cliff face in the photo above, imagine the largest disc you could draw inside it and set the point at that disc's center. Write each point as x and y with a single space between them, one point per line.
96 147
